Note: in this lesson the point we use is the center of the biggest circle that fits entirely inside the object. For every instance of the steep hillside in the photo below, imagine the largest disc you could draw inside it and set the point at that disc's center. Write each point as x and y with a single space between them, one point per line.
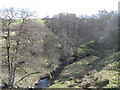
91 72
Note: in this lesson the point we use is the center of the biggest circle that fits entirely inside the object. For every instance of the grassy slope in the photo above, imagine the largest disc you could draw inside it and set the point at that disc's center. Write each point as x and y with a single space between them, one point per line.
103 68
39 21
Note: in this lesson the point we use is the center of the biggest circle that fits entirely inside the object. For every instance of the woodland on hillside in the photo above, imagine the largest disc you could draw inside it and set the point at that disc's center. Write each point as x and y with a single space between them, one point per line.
59 47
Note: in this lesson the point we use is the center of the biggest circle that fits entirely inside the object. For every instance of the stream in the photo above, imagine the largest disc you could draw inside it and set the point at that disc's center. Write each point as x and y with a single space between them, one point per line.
43 83
46 81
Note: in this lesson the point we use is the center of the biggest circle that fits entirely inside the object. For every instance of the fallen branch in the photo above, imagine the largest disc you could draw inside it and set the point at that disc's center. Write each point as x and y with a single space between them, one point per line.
26 76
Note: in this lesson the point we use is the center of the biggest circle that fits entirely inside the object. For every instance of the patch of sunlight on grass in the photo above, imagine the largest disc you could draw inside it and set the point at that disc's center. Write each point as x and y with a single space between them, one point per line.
42 22
112 76
78 67
18 21
2 40
112 66
58 85
12 33
80 50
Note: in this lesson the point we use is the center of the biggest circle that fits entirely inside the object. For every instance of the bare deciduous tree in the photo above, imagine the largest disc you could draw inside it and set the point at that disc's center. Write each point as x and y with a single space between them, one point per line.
9 16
